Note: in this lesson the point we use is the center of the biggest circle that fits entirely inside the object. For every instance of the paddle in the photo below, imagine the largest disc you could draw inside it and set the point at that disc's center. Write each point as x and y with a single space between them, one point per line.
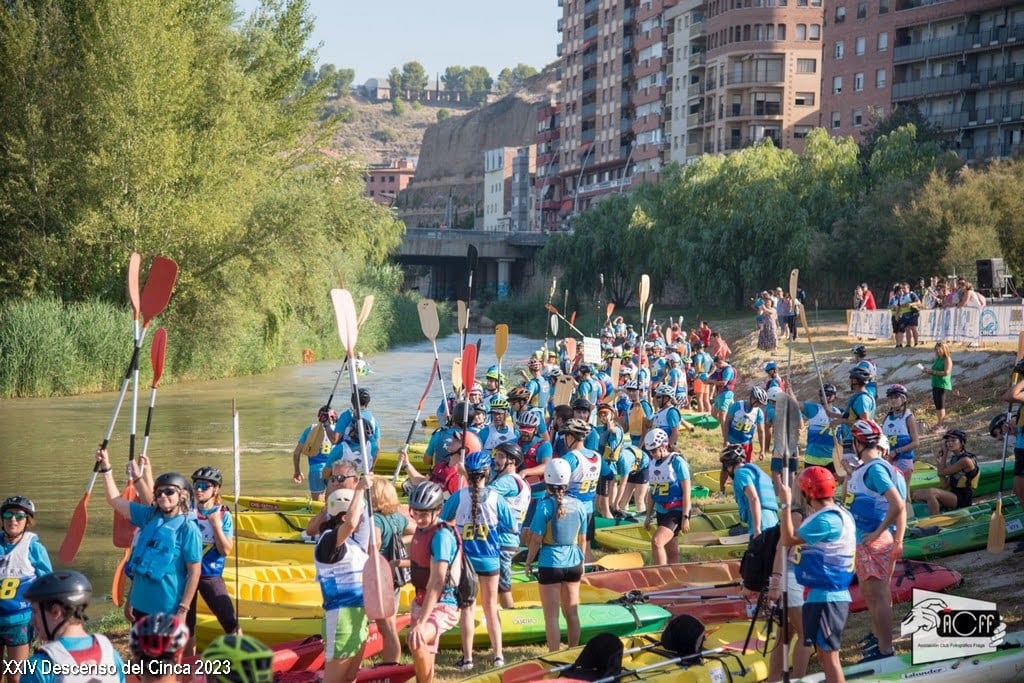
471 259
500 343
608 310
554 328
364 313
155 297
378 592
431 325
997 525
117 586
551 309
419 408
129 493
457 376
123 528
619 561
645 292
658 665
236 456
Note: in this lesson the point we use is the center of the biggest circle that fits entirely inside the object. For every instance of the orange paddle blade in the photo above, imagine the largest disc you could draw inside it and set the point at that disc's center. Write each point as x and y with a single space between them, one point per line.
117 587
76 530
159 284
997 530
378 587
123 529
133 282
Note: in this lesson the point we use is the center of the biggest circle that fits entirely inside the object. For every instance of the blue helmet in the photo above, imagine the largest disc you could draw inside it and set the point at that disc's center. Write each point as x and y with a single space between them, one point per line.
770 365
478 461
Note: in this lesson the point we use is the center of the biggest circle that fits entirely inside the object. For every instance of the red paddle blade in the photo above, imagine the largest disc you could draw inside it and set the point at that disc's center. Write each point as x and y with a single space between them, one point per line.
123 529
468 366
156 354
345 314
134 262
76 530
117 586
378 587
159 283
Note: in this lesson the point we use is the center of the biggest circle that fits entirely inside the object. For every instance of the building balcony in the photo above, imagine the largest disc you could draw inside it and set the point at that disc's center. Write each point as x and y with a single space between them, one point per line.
591 32
698 29
669 69
1008 73
955 45
1001 113
591 7
558 50
694 120
560 24
590 58
926 87
587 111
695 89
589 84
697 60
628 15
748 76
982 153
588 135
709 147
627 43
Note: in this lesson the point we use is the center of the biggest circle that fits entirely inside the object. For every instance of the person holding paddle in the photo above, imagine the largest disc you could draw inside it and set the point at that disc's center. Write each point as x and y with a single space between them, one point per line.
23 559
315 445
165 561
217 529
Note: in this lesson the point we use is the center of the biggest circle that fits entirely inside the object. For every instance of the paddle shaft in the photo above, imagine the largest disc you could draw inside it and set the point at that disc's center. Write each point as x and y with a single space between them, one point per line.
658 665
997 525
440 379
415 420
555 311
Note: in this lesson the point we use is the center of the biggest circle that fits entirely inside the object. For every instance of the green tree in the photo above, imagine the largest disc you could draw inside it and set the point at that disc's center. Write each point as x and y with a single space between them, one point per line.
926 131
476 83
454 78
443 114
1003 180
510 79
395 81
343 81
414 78
397 106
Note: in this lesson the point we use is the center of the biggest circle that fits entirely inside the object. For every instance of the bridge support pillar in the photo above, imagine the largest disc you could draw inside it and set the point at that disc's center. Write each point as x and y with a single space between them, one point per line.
504 278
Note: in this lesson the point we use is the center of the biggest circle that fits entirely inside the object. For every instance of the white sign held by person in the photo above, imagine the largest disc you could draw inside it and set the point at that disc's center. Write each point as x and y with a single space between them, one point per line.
591 350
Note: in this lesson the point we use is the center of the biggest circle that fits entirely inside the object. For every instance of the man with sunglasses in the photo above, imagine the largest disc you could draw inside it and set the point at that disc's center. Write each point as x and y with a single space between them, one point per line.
315 444
217 529
343 475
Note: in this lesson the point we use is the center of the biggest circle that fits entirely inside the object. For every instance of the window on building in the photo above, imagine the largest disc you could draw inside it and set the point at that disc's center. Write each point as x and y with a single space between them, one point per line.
806 66
801 3
837 85
767 103
862 9
804 99
840 49
800 132
814 33
758 31
880 78
883 41
858 118
781 33
840 15
836 121
769 32
860 44
883 6
801 31
858 81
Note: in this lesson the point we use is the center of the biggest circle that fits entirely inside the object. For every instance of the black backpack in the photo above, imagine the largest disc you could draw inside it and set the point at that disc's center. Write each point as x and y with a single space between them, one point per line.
758 561
395 549
469 582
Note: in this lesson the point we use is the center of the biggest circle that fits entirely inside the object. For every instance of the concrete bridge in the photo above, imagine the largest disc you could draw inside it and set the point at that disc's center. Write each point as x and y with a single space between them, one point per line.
434 261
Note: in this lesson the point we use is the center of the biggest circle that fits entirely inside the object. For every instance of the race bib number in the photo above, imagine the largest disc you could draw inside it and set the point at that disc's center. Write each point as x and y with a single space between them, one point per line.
475 532
662 489
9 588
742 426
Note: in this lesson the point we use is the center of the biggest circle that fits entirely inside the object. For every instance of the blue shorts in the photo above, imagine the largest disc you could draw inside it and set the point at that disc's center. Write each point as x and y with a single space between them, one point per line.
505 569
723 401
824 623
316 478
14 635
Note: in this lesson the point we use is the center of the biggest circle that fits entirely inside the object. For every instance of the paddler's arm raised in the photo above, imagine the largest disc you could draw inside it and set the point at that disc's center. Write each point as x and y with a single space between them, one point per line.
113 496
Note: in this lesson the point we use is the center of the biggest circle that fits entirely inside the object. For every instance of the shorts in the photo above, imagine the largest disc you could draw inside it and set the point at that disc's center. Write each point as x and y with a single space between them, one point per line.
939 398
699 387
345 632
1018 462
824 623
488 572
505 569
964 497
673 519
220 604
15 635
316 478
643 476
547 576
876 561
723 401
591 526
443 617
604 485
898 326
794 464
794 591
904 465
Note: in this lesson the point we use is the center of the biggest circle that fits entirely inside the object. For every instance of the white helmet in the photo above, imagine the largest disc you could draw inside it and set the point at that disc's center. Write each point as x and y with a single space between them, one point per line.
665 390
339 501
655 439
557 472
774 392
672 357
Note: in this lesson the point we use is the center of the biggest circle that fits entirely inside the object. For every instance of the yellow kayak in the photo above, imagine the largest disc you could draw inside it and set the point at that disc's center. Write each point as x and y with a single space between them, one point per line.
644 658
275 631
696 545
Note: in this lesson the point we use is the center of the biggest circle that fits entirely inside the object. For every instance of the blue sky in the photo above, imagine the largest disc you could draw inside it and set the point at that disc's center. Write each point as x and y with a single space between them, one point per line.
371 37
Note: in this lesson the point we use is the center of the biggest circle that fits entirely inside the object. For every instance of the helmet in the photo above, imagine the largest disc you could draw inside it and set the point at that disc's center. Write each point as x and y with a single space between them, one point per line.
478 461
995 427
426 496
860 351
576 427
731 455
364 397
665 390
828 389
517 394
557 472
459 410
817 482
959 434
492 373
582 404
687 360
172 479
770 365
605 406
655 439
867 432
340 501
534 363
896 390
697 345
19 502
554 372
759 395
512 451
157 636
773 393
860 374
477 388
585 368
250 660
64 586
632 385
530 419
1018 368
499 403
210 474
672 357
471 442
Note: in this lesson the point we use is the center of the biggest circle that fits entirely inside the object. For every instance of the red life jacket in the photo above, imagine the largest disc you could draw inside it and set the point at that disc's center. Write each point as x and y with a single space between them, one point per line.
530 455
445 476
420 557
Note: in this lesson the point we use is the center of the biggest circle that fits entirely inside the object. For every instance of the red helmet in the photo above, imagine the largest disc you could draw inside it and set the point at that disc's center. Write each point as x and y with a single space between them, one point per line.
473 443
817 482
866 432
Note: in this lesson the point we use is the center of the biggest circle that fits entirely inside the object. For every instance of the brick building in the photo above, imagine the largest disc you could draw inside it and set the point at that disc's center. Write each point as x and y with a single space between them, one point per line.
385 181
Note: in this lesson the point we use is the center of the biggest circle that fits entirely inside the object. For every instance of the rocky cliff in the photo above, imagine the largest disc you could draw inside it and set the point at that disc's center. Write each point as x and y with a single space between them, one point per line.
451 159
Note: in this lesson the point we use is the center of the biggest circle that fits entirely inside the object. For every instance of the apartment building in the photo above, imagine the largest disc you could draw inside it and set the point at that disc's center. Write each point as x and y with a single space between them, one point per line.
385 181
961 62
508 196
547 183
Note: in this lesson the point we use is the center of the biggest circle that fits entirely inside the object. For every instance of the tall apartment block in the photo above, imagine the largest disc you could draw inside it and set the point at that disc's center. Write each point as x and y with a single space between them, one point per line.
961 62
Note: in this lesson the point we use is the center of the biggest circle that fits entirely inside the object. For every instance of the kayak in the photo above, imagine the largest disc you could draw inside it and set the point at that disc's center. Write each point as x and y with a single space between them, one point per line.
960 530
696 545
1005 665
525 625
274 503
700 420
646 651
273 631
704 521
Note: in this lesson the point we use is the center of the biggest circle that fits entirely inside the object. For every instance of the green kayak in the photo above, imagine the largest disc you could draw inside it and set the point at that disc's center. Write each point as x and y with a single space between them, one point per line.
961 530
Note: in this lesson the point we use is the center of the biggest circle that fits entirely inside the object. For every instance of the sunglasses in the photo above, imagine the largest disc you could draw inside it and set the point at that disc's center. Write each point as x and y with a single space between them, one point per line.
14 515
168 492
339 478
201 485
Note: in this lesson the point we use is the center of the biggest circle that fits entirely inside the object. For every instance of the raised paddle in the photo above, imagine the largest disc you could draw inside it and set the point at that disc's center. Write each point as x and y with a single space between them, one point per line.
500 343
463 309
431 325
471 259
117 586
554 328
551 295
550 308
419 409
129 493
378 591
645 292
457 376
364 313
571 347
236 456
997 525
123 528
608 310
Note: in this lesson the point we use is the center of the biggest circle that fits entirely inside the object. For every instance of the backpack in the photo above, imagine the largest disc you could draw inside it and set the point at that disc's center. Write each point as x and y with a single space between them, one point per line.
314 440
469 582
758 561
395 549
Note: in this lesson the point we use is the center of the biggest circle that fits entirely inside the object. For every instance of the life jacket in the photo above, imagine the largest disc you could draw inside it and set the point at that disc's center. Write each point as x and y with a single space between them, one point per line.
420 559
962 480
530 453
820 434
97 661
445 476
869 508
16 575
775 382
341 582
827 565
520 501
635 419
718 376
317 447
607 452
583 480
212 562
896 430
157 550
480 532
666 486
565 530
495 436
660 418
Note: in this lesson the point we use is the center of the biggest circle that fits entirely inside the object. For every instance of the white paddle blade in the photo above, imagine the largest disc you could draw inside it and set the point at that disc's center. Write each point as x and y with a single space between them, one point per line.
345 313
429 322
463 315
554 325
794 275
364 313
645 290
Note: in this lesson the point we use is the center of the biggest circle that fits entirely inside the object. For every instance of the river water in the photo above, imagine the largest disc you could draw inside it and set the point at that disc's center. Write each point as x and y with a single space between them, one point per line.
192 427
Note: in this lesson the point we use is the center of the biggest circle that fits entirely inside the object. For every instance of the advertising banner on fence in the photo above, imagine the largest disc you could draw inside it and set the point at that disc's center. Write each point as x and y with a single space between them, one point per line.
871 324
963 325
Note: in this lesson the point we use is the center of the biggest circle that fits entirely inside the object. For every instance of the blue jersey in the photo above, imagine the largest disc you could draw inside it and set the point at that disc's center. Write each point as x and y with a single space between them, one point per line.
861 406
160 557
825 565
868 484
743 420
213 561
540 394
586 470
345 421
609 445
481 536
668 477
559 536
750 474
